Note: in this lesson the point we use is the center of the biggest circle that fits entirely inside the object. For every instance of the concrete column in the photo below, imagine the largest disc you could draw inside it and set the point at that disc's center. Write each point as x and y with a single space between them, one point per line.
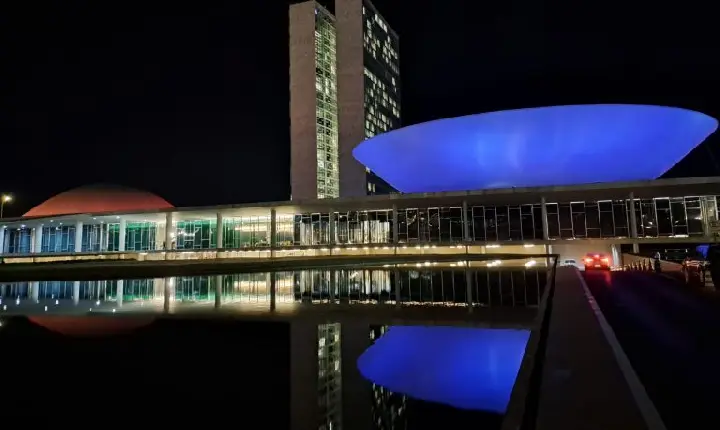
395 226
76 293
271 285
466 221
218 290
37 245
219 231
633 223
35 291
120 286
2 239
356 391
122 234
78 236
273 232
331 228
543 212
169 230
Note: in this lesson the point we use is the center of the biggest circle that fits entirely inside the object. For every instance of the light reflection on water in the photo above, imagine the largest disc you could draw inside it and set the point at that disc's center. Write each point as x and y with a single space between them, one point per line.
334 393
314 366
488 287
467 368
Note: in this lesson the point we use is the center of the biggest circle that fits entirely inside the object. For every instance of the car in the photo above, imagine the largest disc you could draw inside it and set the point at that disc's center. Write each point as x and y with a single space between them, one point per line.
697 267
569 262
597 261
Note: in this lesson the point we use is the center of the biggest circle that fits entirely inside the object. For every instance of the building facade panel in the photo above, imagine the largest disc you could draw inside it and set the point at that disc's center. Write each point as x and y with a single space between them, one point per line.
351 86
314 159
663 217
369 89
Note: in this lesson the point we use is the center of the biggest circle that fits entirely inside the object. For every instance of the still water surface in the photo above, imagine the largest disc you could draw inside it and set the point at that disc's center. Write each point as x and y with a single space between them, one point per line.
485 287
209 372
218 371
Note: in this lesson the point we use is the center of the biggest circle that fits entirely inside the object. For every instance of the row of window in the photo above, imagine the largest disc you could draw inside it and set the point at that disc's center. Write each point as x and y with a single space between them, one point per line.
328 176
680 216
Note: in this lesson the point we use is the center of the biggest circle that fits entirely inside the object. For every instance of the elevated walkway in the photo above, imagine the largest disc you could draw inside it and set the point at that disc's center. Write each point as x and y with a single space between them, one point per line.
583 384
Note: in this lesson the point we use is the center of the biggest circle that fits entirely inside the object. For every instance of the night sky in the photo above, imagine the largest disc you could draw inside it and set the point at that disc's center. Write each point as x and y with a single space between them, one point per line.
191 100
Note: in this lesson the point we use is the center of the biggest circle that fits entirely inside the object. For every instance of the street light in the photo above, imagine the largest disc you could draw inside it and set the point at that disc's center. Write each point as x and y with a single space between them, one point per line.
6 198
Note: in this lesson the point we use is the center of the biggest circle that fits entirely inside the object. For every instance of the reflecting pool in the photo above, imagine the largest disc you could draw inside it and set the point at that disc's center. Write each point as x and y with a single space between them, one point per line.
204 372
519 287
467 368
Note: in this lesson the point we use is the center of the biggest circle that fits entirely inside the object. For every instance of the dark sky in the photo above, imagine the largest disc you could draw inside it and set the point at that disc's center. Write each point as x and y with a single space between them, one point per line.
190 100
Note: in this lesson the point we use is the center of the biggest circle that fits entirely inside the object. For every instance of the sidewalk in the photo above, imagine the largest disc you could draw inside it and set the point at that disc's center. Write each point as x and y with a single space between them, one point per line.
583 387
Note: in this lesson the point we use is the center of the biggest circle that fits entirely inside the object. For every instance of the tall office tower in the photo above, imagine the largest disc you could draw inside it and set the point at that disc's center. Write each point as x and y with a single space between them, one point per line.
314 164
368 89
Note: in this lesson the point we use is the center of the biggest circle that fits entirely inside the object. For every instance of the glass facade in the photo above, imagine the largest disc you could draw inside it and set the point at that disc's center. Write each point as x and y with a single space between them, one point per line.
381 82
654 218
326 110
382 73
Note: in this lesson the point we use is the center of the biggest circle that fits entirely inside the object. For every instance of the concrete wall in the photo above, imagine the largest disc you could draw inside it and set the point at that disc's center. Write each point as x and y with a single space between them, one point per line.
303 146
351 95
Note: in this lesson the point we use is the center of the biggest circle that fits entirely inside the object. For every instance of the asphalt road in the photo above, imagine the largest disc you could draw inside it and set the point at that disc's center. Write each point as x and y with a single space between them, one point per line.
672 337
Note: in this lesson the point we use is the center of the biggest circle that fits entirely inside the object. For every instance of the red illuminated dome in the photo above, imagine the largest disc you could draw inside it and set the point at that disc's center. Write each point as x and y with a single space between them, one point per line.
98 199
92 326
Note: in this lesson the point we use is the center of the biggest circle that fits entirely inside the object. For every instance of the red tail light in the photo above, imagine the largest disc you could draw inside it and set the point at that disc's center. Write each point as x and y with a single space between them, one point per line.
588 260
605 260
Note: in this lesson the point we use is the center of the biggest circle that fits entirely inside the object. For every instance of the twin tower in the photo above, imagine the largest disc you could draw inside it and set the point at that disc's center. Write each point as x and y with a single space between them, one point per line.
344 88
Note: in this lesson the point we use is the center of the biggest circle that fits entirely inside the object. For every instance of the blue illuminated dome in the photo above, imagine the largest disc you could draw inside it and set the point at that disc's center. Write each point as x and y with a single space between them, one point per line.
466 368
560 145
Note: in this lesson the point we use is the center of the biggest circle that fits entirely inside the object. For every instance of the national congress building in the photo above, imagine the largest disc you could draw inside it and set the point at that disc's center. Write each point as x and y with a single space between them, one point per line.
566 179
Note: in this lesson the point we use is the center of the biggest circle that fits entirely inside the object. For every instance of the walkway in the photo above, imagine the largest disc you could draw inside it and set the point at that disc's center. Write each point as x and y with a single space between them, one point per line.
583 385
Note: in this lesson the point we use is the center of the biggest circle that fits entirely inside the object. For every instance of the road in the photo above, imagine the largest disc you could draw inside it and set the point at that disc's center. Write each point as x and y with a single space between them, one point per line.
672 337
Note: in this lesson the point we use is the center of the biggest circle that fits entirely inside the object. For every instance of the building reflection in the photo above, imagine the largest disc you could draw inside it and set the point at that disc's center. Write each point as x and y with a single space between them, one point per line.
492 286
389 410
338 397
326 389
329 377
